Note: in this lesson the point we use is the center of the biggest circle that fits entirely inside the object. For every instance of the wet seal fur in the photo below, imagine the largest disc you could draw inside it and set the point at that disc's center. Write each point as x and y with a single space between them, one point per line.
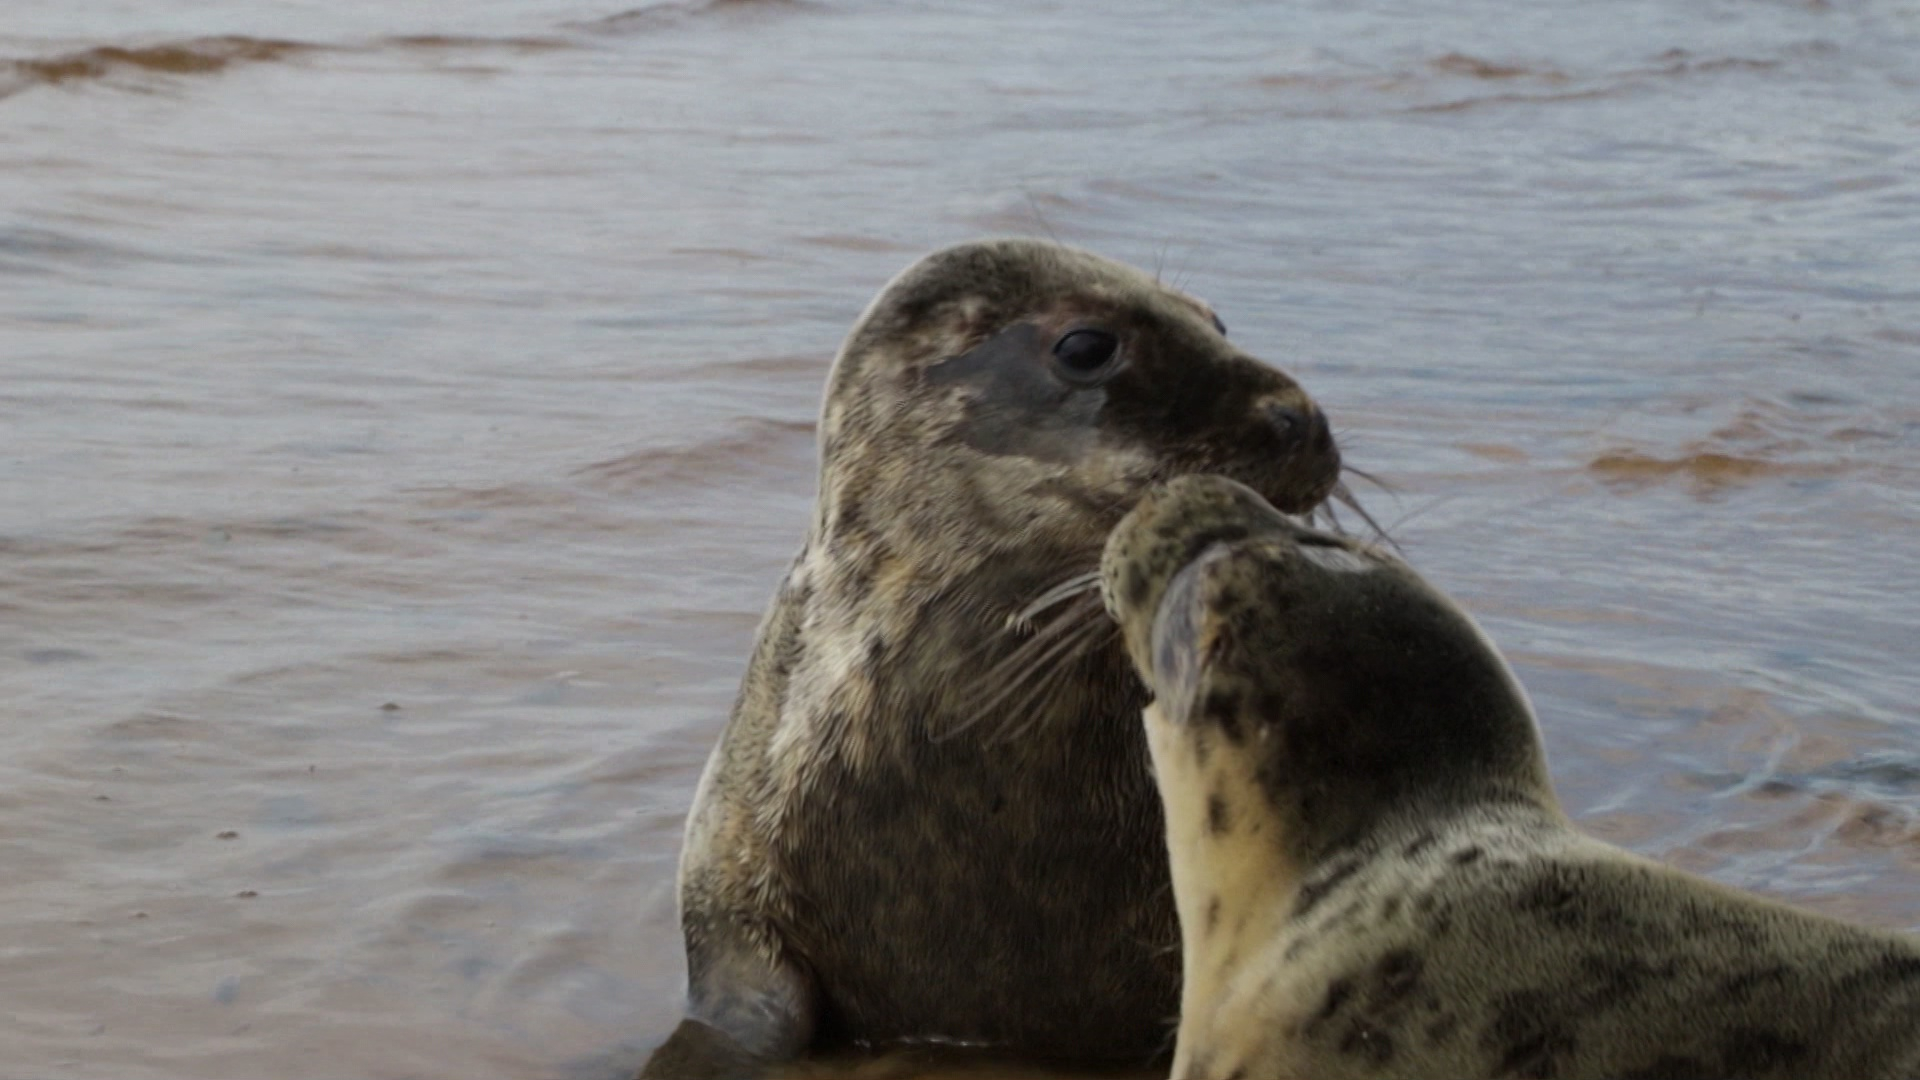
1373 875
881 852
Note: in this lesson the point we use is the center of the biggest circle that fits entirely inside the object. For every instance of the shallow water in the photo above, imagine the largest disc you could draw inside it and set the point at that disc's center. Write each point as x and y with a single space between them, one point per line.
407 412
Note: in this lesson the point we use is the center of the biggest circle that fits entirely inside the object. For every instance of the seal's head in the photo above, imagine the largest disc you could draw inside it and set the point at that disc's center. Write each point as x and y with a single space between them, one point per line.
1016 396
1353 689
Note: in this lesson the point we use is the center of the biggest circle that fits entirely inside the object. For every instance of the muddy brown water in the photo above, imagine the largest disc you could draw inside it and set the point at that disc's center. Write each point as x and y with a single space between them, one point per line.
406 410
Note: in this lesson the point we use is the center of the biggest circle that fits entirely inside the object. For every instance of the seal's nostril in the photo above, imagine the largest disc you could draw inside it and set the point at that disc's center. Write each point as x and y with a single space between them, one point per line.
1289 423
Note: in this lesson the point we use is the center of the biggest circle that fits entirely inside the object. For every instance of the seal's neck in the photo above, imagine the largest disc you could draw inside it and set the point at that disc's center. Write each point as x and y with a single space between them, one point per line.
1234 874
1254 844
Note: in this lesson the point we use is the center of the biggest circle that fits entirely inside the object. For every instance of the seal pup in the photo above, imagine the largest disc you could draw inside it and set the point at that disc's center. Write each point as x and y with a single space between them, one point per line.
903 837
1373 875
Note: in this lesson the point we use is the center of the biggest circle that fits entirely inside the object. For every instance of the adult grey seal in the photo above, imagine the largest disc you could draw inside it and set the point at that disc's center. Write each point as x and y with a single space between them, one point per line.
906 835
1373 875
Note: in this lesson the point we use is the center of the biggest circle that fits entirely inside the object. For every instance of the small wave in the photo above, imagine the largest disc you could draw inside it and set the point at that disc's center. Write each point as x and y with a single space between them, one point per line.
1463 104
30 249
760 446
1473 67
1434 85
849 242
196 56
674 11
1797 436
214 55
473 43
1888 773
1710 469
1682 62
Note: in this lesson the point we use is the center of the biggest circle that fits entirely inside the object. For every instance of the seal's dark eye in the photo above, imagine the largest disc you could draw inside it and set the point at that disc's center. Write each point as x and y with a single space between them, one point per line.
1085 354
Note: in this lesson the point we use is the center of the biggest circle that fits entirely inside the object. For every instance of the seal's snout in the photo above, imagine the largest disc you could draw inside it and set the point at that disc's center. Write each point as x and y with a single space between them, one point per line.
1299 425
1299 460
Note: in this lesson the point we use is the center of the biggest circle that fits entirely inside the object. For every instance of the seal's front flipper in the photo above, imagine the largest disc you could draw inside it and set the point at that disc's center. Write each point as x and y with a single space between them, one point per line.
698 1051
746 1014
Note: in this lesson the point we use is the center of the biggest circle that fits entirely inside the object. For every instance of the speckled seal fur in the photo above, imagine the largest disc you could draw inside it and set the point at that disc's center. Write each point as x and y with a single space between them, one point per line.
1373 875
869 862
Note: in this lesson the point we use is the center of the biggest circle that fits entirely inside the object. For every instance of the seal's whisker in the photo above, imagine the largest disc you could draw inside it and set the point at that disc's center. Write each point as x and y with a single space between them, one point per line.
1012 679
1063 623
1005 677
1033 205
994 677
1088 636
1383 485
1058 638
1173 1033
1420 511
1343 495
1325 512
1016 724
1066 590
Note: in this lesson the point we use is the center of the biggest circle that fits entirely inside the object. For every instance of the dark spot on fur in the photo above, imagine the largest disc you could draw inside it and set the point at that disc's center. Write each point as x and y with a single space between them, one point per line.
1467 855
1736 989
1318 886
1548 897
1422 842
1338 994
1197 542
1528 1036
1202 745
1674 1067
849 520
1395 976
1743 932
1753 1051
857 581
1888 969
1219 819
1537 1057
1363 1040
1213 914
1611 978
1137 586
1222 705
1443 1028
1390 907
1226 708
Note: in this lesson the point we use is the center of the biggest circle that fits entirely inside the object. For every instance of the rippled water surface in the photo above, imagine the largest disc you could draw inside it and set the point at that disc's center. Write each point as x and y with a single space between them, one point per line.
407 410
